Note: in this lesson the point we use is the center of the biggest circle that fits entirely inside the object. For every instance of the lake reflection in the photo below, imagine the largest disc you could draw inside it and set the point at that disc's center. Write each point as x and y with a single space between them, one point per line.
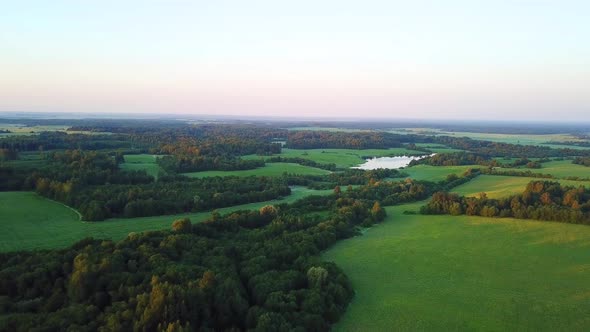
388 162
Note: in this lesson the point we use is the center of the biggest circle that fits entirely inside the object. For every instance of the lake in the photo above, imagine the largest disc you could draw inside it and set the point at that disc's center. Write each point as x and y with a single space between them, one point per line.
388 162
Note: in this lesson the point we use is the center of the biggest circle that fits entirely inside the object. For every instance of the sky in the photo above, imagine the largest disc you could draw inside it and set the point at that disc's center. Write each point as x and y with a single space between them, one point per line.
446 59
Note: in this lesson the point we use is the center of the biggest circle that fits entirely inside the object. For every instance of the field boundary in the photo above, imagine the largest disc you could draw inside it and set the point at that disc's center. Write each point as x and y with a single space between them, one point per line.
60 203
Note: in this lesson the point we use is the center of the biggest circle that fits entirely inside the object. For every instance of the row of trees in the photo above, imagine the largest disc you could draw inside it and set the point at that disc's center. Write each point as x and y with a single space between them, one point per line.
541 200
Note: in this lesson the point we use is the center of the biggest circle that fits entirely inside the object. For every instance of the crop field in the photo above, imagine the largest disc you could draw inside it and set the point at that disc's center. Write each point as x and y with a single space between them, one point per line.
29 221
435 173
559 169
270 169
445 273
138 162
496 186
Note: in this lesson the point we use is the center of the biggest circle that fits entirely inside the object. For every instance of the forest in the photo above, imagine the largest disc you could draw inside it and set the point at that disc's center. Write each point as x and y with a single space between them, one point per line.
259 265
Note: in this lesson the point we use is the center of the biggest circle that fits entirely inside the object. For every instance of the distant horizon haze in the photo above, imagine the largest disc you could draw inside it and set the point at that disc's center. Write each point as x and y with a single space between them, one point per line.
518 60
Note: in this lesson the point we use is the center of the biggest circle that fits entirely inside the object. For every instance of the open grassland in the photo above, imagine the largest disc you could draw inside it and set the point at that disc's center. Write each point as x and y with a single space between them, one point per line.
343 158
435 173
29 221
270 169
141 162
559 169
496 186
523 139
445 273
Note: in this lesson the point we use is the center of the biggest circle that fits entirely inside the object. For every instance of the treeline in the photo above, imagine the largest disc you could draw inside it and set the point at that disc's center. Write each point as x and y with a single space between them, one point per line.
497 149
250 270
307 139
582 161
344 178
170 195
302 161
186 163
45 141
541 200
454 159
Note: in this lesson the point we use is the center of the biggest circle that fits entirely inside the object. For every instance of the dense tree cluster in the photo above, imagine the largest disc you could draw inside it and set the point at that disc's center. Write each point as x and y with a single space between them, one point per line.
582 161
167 196
185 163
248 270
307 139
454 159
344 178
541 200
302 161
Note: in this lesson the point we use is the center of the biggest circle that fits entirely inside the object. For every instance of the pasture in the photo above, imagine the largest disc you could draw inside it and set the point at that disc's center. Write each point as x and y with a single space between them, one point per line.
445 273
29 221
270 169
496 186
559 169
141 162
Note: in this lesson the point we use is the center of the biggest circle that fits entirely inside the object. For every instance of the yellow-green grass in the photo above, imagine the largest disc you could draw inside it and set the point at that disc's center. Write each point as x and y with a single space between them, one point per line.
139 162
343 158
559 169
496 186
435 173
445 273
29 221
270 169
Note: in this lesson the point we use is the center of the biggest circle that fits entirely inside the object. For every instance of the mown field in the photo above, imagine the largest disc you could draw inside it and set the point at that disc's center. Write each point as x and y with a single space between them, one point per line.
29 221
270 169
444 273
343 158
496 186
139 162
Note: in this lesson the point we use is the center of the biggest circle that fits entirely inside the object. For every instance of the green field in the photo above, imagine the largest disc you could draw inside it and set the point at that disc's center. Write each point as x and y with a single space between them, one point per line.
434 173
559 169
270 169
343 158
29 221
496 186
445 273
141 162
523 139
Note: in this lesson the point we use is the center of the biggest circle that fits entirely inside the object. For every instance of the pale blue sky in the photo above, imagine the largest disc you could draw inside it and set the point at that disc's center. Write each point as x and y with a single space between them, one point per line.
399 59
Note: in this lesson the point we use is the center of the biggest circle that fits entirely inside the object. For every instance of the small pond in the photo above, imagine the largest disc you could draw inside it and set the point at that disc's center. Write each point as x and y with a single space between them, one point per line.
388 162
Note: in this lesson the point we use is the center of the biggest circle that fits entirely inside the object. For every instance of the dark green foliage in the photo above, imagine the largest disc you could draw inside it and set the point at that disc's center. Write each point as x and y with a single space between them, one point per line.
214 275
541 200
585 161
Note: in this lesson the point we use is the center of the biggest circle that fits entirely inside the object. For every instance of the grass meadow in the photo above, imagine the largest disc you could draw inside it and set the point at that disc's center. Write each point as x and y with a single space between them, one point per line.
496 186
446 273
29 221
559 169
270 169
139 162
